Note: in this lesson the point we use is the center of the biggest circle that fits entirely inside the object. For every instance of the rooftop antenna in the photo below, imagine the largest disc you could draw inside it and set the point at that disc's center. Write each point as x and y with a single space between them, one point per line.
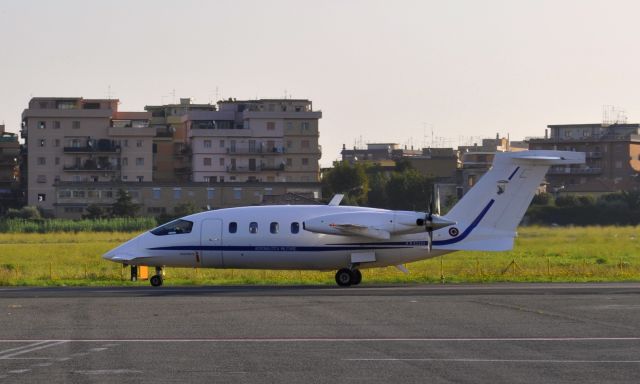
173 93
109 92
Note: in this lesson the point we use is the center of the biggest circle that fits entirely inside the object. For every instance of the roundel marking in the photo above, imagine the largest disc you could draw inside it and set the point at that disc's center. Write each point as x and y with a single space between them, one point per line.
453 231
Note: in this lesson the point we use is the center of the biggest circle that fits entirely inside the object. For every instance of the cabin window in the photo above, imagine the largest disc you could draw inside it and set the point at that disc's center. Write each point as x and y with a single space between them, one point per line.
175 227
295 227
274 227
253 227
233 227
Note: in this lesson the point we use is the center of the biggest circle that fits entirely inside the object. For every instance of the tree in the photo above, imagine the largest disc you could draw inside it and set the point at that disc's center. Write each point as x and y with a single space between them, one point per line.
409 190
185 209
377 196
124 206
94 212
351 180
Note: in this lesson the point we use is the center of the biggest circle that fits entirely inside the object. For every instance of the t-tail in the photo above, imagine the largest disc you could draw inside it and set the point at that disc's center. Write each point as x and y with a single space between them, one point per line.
487 216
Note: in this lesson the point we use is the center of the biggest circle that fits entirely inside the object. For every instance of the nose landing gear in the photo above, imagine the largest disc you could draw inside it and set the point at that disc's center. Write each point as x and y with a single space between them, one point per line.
156 280
346 277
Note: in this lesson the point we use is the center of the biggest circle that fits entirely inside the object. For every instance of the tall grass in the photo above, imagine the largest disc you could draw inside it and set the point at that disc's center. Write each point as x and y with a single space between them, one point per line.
65 225
540 254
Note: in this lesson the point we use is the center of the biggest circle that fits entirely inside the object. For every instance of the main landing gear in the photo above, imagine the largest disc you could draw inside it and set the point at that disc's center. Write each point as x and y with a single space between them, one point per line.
346 277
156 280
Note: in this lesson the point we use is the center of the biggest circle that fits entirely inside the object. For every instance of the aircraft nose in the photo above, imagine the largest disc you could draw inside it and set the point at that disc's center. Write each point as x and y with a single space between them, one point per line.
121 252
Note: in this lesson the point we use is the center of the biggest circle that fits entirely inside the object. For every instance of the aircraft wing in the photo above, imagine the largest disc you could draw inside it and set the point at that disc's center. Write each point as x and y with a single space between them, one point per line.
362 230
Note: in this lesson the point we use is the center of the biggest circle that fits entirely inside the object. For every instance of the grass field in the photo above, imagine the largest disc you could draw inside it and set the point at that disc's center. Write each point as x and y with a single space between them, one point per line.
540 254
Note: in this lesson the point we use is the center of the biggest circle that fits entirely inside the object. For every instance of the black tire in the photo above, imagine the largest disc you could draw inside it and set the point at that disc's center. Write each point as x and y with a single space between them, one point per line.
344 277
156 280
357 277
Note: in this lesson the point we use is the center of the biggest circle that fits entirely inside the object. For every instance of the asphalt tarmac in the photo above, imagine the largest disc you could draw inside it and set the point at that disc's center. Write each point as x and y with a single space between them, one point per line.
501 333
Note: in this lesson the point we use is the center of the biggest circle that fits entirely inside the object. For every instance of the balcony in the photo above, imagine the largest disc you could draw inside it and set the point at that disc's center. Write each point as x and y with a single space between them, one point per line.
107 148
182 170
260 168
91 167
277 167
574 171
182 151
256 151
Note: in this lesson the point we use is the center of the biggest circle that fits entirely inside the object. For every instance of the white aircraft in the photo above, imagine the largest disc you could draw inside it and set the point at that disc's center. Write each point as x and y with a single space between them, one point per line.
347 238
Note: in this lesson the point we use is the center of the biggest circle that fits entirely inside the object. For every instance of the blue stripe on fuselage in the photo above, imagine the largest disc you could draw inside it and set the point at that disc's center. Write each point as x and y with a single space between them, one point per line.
331 247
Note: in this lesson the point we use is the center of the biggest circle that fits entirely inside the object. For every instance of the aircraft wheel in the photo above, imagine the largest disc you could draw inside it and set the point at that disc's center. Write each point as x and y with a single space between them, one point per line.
344 277
156 280
357 277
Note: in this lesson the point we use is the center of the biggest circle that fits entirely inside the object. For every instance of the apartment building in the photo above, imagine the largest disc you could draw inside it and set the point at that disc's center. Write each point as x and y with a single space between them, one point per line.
171 147
612 157
266 140
9 171
82 151
77 140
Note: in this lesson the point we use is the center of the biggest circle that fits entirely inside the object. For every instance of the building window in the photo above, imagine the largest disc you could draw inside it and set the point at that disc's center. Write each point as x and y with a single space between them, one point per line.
206 161
305 161
253 227
221 143
42 197
274 227
42 124
42 142
140 178
56 125
289 144
156 193
237 193
289 162
305 125
207 143
139 161
75 124
222 161
57 161
618 164
211 193
289 125
126 143
233 227
304 144
56 143
177 193
271 125
42 161
125 178
125 161
295 227
139 143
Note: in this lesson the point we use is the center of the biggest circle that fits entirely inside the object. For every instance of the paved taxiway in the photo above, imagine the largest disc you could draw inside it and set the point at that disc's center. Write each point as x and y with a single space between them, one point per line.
523 333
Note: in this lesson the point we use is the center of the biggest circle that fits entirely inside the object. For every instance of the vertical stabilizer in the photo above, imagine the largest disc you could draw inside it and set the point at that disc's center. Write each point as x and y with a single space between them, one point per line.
489 213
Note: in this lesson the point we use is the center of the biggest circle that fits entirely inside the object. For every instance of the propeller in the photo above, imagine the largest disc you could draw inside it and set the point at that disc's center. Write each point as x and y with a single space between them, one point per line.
428 224
428 220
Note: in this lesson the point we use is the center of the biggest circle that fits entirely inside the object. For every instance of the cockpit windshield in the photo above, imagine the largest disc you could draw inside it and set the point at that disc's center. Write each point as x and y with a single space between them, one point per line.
175 227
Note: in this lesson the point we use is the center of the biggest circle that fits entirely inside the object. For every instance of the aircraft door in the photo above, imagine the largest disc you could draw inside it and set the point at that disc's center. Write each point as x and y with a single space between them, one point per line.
211 242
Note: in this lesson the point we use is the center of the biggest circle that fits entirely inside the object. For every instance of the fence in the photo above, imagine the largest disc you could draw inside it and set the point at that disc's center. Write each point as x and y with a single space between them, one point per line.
439 270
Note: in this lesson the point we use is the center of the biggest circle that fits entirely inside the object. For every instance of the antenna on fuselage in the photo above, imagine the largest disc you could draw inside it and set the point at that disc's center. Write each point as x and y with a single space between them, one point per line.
336 199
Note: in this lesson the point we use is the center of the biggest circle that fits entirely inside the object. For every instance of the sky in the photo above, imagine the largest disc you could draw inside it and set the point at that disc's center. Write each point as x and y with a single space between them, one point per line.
419 73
